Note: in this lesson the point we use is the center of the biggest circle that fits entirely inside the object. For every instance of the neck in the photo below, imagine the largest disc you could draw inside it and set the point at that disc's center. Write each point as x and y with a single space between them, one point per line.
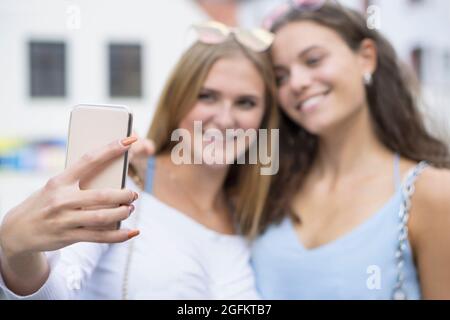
203 181
352 147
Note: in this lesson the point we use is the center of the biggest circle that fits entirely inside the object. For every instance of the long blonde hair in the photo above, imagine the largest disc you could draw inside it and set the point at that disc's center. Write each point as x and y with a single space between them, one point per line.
244 184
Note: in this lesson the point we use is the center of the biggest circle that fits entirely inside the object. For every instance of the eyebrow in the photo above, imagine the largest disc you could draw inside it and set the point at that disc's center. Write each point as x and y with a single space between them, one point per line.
248 96
243 96
305 51
208 89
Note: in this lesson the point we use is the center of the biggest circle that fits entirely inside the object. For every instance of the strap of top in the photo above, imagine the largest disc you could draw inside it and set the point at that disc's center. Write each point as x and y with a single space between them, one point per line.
150 175
408 189
397 173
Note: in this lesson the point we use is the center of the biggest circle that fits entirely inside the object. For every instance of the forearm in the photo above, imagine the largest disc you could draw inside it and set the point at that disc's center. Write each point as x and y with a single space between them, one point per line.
24 274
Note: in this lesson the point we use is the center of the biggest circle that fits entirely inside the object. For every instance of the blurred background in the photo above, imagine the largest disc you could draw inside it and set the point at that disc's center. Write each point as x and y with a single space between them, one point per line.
57 53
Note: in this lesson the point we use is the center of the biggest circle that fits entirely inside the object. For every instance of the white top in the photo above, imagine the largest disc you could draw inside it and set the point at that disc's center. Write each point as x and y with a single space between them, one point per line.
174 257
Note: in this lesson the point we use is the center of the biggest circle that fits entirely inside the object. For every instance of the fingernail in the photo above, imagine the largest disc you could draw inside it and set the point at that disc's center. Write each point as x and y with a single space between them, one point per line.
136 196
133 234
131 208
127 141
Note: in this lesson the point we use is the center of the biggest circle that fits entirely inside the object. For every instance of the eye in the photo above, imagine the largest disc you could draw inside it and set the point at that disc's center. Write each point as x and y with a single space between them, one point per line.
281 79
313 61
246 103
281 76
207 97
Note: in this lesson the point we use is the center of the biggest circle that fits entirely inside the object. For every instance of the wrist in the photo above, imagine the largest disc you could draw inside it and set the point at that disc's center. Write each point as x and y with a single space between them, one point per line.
9 252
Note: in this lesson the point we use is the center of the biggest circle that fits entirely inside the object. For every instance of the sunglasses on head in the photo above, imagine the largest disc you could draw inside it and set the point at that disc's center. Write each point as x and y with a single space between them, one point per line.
213 32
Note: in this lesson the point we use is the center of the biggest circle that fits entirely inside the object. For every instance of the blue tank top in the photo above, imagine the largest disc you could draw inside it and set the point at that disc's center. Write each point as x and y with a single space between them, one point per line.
359 265
149 176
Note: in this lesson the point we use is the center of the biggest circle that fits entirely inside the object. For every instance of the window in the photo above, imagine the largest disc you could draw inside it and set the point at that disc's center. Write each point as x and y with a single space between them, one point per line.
125 70
47 69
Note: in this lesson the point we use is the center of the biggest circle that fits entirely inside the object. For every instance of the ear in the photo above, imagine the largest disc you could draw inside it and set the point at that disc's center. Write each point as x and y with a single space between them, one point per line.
367 56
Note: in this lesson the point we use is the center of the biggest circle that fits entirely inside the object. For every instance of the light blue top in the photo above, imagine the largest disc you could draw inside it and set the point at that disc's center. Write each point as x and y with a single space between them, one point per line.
358 265
149 176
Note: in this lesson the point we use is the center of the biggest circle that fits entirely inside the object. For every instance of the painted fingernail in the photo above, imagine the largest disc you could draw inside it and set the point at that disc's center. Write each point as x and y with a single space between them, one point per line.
131 208
133 234
127 141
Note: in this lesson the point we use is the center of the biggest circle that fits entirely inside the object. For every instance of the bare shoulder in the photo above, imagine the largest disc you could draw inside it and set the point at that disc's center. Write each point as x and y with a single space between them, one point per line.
430 211
433 188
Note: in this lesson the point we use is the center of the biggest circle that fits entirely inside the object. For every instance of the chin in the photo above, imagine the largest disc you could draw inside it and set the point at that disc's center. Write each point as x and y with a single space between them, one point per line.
215 166
317 128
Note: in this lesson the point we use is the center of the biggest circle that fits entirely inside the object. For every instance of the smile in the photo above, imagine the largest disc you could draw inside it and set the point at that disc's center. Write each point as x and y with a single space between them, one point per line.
312 102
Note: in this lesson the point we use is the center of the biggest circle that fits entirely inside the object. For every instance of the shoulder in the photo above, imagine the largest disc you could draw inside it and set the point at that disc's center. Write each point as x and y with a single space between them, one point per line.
433 189
432 186
430 211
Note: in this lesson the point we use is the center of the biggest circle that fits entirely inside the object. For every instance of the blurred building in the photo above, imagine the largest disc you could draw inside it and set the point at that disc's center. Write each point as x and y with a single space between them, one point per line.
419 31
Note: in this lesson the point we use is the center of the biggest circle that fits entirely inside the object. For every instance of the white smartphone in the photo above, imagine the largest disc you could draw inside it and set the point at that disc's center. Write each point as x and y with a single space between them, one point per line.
93 126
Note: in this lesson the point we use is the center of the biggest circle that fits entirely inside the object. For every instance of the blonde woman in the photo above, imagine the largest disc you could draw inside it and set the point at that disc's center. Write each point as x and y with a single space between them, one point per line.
190 215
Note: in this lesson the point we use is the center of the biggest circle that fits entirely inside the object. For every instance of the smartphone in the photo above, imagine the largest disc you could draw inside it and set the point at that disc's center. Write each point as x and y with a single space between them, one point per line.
93 126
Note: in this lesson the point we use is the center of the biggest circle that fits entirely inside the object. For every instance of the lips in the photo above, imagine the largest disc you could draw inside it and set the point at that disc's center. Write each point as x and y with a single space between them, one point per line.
312 102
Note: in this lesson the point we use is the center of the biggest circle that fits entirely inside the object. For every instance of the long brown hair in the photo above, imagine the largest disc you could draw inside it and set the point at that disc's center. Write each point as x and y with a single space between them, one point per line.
393 108
244 183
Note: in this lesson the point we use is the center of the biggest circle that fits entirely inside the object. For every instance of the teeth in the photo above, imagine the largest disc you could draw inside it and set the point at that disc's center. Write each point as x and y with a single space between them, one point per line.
311 102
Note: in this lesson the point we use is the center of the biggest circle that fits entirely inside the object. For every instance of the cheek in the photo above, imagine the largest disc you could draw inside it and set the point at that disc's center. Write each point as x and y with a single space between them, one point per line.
330 74
199 112
285 99
252 119
350 95
347 83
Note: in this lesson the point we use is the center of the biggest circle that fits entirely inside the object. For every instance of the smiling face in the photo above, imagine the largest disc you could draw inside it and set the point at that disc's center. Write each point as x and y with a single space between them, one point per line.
320 78
232 97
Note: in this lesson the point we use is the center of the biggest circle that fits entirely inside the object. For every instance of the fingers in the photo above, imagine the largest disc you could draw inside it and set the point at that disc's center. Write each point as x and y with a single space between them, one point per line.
149 147
101 198
142 148
92 162
100 218
103 236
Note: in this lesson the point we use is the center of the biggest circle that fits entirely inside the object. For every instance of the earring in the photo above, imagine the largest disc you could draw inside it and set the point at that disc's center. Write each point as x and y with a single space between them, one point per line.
368 79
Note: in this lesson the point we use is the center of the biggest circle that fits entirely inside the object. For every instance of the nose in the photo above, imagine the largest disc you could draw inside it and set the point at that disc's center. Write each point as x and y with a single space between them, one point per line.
299 80
224 116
